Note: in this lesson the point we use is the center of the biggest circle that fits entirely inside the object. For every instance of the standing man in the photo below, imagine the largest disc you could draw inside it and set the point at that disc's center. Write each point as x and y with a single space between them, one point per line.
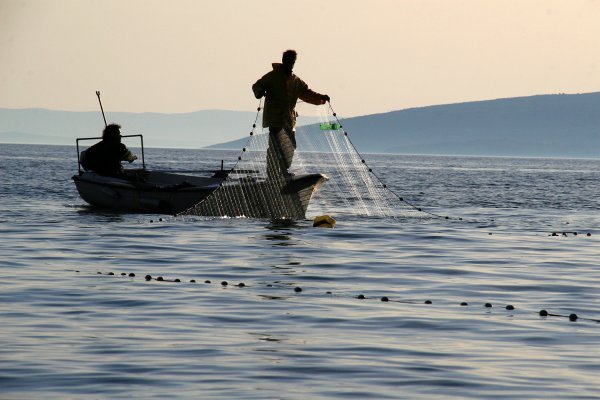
282 90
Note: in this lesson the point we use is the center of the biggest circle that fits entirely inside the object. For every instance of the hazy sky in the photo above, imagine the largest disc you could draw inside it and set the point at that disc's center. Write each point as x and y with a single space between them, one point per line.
369 56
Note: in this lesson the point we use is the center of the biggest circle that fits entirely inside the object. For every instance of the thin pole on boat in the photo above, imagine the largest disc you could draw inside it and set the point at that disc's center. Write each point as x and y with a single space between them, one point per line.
143 159
101 108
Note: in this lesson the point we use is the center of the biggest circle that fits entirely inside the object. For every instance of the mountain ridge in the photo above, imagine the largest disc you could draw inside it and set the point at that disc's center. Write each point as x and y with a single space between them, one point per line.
556 125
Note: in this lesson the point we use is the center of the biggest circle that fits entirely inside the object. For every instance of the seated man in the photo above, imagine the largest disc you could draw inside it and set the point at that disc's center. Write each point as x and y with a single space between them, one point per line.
105 157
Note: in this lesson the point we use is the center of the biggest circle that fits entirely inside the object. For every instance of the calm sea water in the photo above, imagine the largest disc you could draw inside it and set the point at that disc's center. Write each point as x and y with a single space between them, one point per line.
68 329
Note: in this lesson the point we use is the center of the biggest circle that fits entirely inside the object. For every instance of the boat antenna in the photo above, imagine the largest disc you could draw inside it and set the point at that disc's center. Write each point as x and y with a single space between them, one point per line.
101 109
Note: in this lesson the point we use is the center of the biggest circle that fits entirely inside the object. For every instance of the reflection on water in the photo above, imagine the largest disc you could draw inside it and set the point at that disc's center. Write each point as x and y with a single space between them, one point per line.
106 215
279 237
282 231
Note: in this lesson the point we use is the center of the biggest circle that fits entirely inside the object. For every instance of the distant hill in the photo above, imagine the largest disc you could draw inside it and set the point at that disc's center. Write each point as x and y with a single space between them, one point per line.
187 130
540 126
537 126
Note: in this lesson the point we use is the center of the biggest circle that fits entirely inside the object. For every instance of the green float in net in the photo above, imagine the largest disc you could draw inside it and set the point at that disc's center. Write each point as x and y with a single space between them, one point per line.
330 126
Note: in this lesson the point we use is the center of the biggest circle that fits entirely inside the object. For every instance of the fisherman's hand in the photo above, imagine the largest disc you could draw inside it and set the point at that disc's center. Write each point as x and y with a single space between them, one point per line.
325 99
259 95
131 158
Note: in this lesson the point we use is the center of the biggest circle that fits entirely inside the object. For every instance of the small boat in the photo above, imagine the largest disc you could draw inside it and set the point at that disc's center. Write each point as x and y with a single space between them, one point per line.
163 192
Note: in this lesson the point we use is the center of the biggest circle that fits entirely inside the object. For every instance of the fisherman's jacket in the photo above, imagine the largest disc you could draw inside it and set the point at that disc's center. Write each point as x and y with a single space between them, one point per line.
105 157
282 91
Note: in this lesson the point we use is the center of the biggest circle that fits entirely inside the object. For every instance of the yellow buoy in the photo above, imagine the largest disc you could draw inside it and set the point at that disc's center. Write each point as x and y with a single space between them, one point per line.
324 221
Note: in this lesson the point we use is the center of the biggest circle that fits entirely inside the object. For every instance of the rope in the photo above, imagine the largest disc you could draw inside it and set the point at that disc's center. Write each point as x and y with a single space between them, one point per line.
378 179
383 299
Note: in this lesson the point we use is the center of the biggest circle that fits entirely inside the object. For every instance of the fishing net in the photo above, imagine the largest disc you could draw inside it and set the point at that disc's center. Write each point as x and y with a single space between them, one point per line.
328 174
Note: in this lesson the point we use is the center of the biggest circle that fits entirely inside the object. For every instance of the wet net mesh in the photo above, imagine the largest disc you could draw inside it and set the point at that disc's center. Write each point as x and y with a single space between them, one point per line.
258 187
